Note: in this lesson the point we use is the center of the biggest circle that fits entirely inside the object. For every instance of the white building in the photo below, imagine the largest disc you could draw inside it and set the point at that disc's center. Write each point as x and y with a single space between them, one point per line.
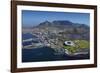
69 43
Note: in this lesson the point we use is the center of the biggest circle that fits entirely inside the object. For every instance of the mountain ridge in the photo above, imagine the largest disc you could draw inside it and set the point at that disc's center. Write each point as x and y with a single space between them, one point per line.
62 23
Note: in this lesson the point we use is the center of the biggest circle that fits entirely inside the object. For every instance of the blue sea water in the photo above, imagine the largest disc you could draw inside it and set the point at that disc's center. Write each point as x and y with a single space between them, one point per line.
27 36
46 54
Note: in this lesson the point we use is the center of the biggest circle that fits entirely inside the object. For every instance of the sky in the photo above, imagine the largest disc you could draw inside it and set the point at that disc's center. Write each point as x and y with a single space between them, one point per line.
33 18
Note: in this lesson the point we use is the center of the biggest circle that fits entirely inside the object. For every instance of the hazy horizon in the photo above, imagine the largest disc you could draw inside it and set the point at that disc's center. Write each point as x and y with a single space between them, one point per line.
33 18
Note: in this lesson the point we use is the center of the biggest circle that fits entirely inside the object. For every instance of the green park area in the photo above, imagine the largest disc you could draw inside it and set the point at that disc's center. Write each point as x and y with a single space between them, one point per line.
78 44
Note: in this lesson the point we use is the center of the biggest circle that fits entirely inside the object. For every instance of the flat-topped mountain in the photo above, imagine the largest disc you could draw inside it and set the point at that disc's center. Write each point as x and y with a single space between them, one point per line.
66 28
63 24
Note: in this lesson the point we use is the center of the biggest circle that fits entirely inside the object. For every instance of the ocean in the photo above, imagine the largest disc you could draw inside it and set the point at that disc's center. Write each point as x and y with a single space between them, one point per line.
47 54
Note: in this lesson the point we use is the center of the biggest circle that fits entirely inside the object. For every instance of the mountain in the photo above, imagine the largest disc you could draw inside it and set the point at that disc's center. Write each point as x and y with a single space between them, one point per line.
45 23
63 24
58 23
66 28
